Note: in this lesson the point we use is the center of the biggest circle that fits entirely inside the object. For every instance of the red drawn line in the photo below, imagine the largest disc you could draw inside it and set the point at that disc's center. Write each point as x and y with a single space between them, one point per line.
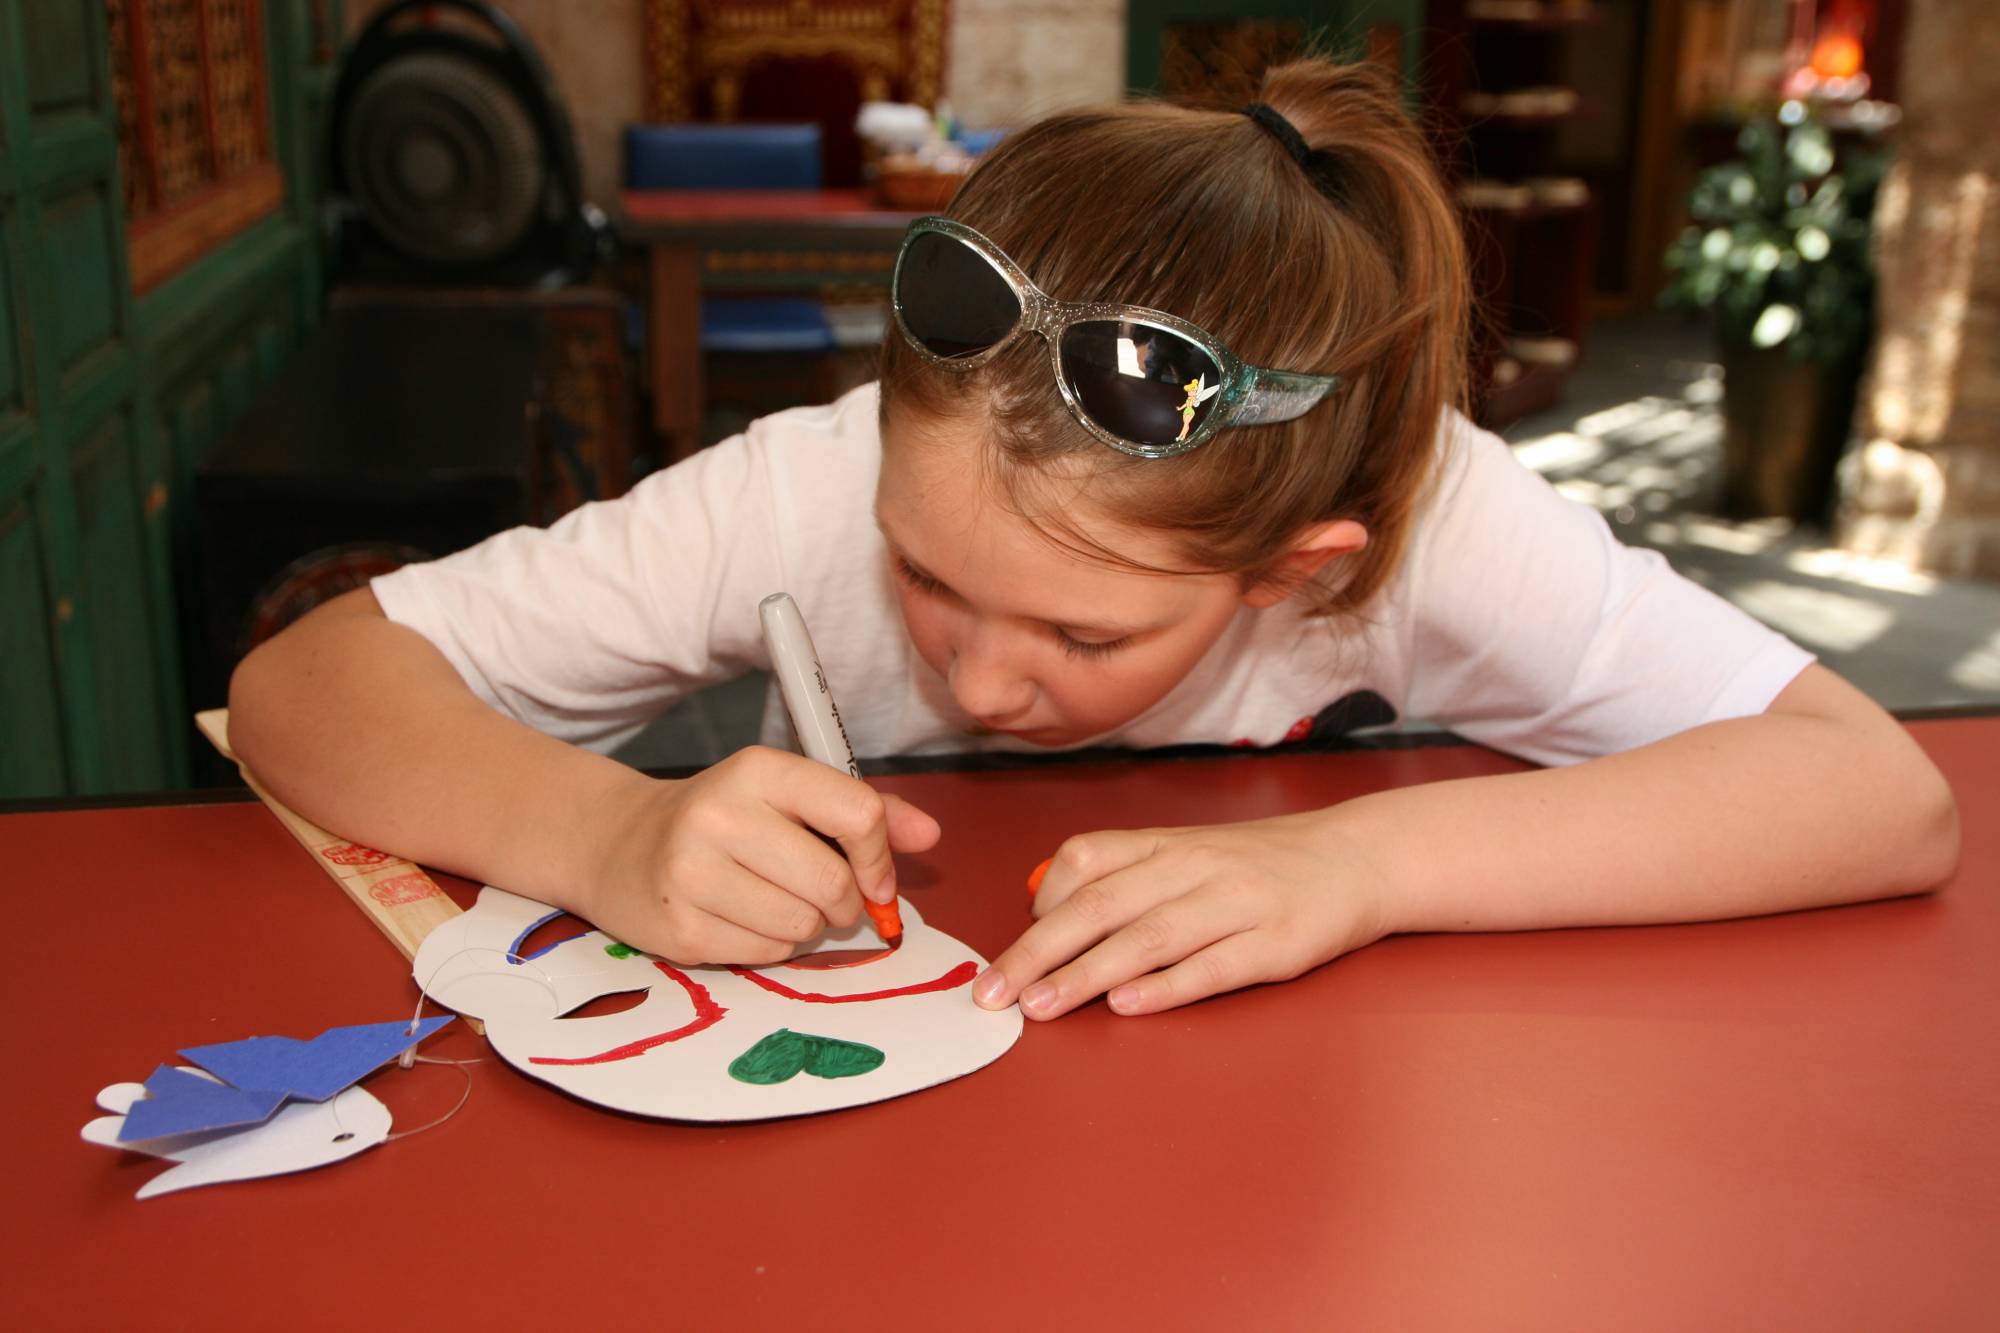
707 1013
958 976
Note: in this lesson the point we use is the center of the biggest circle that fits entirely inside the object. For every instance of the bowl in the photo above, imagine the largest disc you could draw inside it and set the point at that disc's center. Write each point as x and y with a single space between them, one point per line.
917 191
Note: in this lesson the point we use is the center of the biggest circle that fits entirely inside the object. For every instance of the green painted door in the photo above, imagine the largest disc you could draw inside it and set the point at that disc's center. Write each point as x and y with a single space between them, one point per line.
109 402
85 627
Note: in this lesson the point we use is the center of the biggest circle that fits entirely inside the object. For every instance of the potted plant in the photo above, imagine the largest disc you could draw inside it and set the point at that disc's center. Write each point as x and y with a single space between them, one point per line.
1778 250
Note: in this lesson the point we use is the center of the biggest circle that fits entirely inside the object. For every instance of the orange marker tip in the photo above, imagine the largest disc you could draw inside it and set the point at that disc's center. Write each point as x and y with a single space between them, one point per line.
1035 876
888 919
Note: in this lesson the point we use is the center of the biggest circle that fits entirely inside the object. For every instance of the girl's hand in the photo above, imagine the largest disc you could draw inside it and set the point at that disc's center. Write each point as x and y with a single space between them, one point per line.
1161 917
728 866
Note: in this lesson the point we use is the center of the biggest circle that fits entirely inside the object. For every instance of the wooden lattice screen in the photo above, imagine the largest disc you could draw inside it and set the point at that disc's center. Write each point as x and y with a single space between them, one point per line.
194 135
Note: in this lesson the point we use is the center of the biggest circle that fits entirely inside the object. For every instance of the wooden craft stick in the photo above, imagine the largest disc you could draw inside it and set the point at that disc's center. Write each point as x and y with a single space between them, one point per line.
404 903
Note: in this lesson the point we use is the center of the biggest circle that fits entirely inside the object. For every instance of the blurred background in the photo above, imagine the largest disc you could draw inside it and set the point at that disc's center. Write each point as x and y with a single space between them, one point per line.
295 291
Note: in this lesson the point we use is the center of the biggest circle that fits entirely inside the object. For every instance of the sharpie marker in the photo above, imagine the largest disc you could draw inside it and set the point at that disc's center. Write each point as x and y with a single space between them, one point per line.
809 700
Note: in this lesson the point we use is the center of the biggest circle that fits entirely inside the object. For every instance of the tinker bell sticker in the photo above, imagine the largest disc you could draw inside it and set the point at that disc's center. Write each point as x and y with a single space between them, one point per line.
1198 391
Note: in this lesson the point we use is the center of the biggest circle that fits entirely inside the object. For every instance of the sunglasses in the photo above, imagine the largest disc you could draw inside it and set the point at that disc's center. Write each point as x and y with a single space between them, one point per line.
1144 382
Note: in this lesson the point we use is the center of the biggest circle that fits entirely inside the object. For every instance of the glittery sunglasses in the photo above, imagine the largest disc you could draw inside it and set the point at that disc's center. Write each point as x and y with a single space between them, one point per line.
1144 382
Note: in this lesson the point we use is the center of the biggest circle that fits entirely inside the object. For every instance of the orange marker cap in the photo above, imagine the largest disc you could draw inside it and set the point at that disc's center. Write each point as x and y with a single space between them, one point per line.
1035 876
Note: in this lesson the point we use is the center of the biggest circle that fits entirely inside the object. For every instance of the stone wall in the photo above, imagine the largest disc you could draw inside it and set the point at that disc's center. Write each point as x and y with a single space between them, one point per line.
1013 60
1006 61
1925 486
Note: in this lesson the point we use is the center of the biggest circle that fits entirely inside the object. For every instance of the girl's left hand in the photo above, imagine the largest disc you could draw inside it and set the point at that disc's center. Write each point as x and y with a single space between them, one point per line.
1156 918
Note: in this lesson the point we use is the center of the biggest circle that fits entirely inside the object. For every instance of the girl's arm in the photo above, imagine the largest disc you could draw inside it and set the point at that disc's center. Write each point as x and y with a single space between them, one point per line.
1822 799
363 726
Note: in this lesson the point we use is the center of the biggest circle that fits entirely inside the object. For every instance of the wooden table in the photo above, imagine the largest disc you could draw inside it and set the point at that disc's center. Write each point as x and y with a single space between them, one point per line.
844 234
1791 1122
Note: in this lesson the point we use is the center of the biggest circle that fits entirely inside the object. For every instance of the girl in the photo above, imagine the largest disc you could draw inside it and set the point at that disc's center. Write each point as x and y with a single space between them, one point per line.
1164 449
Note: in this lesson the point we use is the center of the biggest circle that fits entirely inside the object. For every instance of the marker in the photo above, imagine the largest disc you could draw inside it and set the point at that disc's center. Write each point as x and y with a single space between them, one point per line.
809 700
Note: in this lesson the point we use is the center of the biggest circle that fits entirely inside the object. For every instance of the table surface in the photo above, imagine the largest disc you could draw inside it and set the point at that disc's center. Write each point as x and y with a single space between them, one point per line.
643 212
1791 1121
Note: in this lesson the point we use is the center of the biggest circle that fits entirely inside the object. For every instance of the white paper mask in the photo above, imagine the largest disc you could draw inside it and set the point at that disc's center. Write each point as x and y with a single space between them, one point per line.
716 1043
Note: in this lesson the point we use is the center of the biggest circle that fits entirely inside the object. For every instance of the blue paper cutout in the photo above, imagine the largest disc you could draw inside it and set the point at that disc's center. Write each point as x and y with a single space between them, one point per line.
311 1070
178 1102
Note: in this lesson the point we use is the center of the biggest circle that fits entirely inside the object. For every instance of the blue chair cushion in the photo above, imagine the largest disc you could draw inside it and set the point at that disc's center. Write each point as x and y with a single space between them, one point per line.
764 324
722 157
975 142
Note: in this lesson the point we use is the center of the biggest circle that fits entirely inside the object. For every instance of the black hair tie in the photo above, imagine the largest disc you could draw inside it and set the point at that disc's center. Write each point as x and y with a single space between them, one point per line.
1319 165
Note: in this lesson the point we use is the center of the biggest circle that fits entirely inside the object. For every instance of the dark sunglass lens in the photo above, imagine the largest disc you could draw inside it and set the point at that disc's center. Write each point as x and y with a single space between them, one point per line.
952 300
1145 384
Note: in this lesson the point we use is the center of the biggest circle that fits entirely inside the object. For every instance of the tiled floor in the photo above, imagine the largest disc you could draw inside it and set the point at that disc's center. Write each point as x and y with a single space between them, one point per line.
1639 436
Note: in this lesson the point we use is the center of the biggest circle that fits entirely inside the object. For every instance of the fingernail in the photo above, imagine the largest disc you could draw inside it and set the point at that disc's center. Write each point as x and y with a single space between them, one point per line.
1038 997
1035 876
885 889
1123 1000
987 990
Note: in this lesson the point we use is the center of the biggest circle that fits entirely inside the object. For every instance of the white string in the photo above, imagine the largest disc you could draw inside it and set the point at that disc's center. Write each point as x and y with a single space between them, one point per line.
463 1097
410 1057
342 1132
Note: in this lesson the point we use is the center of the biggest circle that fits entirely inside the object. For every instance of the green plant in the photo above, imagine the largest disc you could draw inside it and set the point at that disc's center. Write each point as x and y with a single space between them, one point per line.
1779 244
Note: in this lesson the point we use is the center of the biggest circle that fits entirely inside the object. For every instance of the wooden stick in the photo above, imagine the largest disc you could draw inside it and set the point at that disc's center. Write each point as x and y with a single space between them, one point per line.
404 903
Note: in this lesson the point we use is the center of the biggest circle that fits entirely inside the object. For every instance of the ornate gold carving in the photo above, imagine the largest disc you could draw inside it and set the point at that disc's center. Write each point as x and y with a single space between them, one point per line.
927 34
735 50
236 68
896 45
180 130
668 86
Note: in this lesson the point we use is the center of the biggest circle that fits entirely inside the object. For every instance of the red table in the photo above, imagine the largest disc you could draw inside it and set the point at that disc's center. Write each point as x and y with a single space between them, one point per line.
846 231
1790 1122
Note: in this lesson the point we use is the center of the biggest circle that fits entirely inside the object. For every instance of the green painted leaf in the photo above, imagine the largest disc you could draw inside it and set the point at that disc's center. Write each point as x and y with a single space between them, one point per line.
784 1053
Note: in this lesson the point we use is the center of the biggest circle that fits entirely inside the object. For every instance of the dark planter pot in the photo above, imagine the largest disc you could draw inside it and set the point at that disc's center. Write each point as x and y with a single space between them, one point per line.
1785 424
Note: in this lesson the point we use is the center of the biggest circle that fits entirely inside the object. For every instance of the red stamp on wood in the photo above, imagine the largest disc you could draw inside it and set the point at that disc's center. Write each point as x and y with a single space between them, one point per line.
399 889
354 854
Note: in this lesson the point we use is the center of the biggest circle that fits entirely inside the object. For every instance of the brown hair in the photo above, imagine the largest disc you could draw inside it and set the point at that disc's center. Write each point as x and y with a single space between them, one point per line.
1205 214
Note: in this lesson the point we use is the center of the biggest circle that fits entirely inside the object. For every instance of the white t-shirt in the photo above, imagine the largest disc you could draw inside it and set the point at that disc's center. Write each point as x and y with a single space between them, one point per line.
1515 618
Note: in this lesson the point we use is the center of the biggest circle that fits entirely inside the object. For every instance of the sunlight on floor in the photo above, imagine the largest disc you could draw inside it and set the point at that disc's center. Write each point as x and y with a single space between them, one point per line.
1564 449
1830 562
1816 617
1655 454
1980 668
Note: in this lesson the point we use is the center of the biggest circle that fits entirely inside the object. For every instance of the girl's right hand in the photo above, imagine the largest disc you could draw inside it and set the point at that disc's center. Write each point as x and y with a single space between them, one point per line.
729 866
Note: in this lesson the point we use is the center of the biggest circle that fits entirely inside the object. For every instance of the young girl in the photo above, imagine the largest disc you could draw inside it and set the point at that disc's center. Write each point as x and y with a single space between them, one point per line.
1164 450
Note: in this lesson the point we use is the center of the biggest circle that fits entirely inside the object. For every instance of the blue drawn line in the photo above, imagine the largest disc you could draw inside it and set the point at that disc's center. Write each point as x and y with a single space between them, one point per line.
514 955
